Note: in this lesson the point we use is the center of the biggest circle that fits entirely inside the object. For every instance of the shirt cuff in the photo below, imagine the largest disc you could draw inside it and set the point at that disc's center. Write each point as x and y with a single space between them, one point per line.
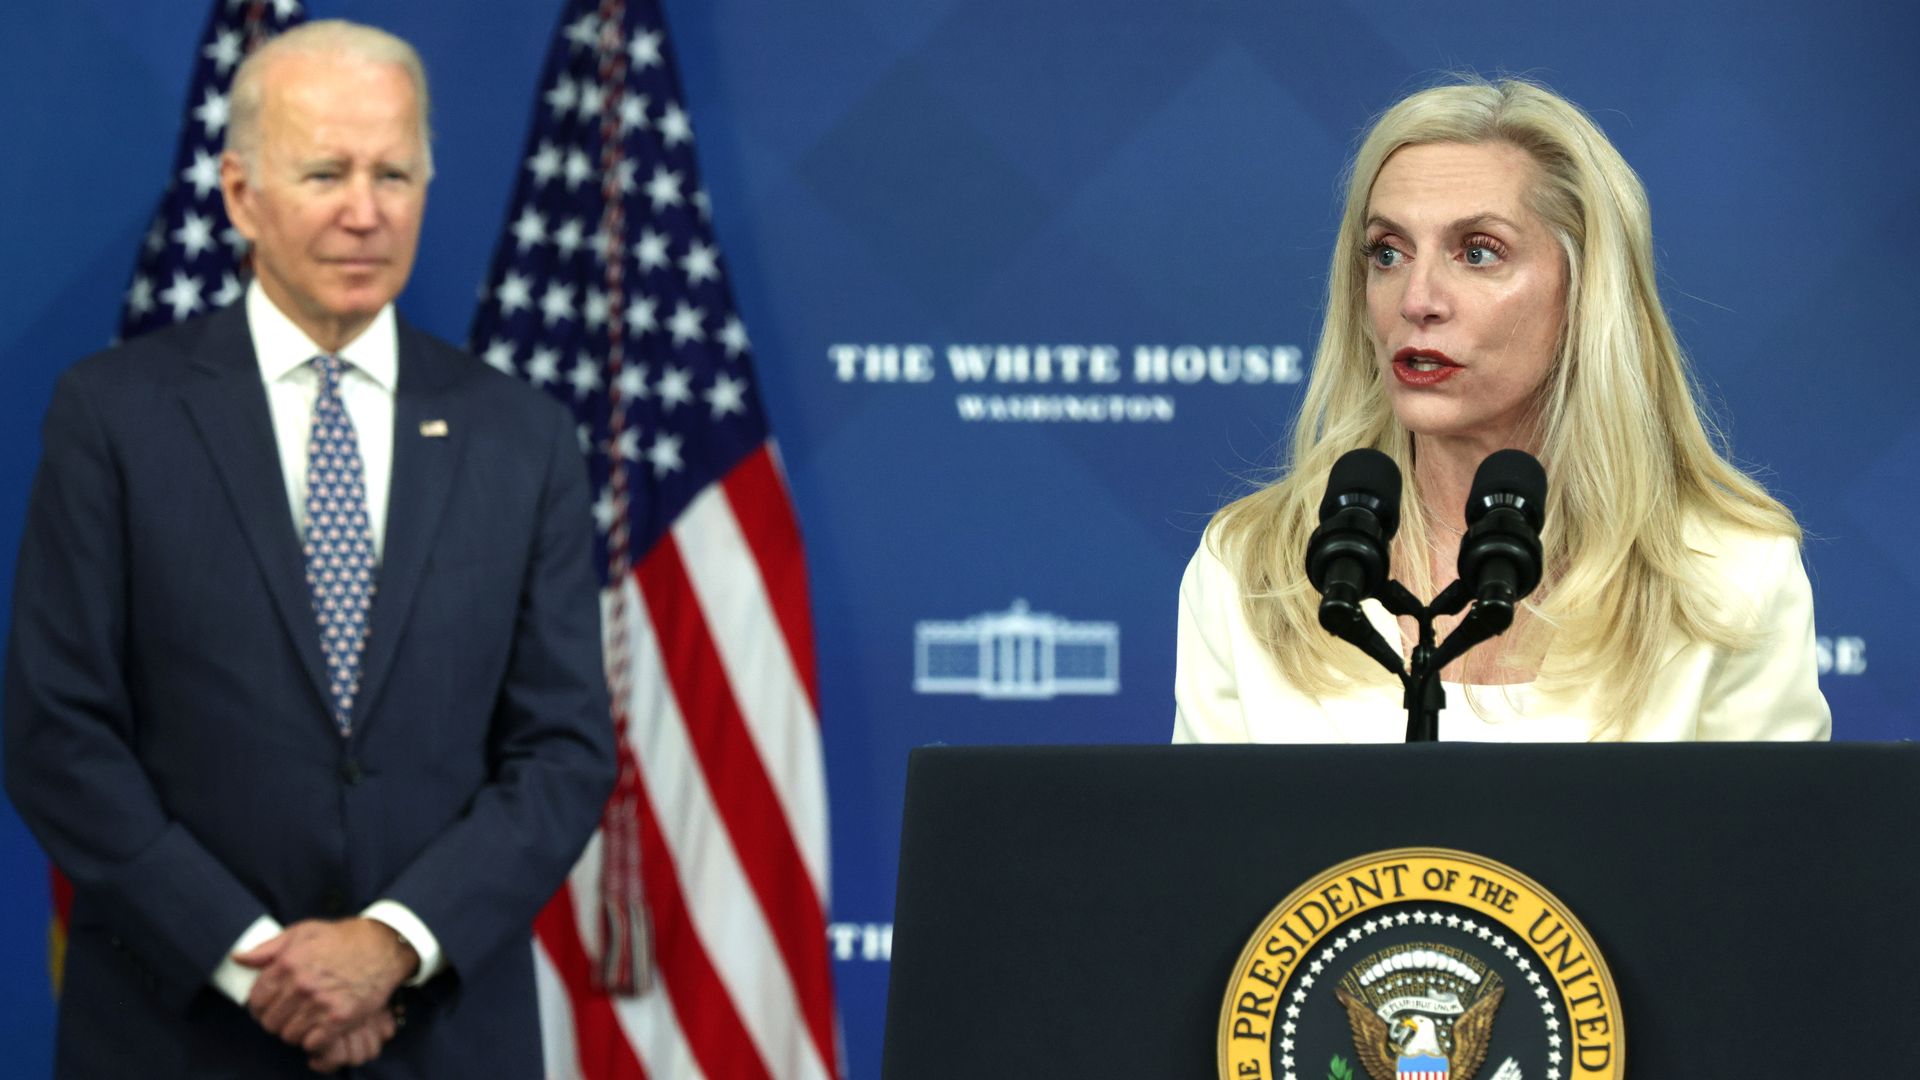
412 931
235 979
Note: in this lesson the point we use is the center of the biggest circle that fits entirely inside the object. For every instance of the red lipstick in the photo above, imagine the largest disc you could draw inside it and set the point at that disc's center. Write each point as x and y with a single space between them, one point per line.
1423 367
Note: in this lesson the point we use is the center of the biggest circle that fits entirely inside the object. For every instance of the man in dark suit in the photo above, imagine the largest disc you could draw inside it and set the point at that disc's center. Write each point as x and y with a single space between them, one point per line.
304 691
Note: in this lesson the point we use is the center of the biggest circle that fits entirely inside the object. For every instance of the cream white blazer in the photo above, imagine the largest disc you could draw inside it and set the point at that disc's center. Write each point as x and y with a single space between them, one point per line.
1227 690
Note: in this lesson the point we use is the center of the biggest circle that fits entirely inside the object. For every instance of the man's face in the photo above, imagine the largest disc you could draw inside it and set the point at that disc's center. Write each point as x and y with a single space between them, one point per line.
333 202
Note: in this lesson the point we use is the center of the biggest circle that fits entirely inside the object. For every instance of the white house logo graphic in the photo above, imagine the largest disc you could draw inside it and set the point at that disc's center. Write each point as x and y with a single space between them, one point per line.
1016 653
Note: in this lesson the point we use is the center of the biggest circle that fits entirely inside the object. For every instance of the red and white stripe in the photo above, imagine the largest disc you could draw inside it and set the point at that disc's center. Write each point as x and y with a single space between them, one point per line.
723 721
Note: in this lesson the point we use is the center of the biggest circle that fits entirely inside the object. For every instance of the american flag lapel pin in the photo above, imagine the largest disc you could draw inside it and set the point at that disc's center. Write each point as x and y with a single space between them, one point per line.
433 429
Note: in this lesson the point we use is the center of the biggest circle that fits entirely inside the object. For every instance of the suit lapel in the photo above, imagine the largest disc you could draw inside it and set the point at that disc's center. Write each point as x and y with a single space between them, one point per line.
428 434
229 408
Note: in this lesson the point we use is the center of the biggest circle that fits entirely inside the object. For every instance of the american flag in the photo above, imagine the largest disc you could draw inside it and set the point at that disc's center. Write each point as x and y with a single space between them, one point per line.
691 939
191 261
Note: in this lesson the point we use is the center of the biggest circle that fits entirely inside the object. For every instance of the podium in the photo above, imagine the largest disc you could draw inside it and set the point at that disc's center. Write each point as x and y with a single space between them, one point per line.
1078 912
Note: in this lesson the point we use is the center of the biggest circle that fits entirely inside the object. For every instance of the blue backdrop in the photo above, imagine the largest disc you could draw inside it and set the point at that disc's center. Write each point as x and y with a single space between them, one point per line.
915 198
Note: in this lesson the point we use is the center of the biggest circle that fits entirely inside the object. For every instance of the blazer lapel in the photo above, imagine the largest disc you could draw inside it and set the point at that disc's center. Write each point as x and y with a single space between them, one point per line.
229 408
427 441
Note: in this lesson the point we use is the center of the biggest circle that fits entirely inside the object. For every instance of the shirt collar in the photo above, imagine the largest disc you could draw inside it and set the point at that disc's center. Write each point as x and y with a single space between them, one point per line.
281 346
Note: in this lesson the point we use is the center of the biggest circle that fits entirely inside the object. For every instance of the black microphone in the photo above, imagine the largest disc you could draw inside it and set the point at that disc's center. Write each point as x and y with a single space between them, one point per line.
1500 554
1347 554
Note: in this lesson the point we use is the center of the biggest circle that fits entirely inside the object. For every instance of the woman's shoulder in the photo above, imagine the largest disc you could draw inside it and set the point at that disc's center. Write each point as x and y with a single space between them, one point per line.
1209 571
1254 518
1742 559
1734 543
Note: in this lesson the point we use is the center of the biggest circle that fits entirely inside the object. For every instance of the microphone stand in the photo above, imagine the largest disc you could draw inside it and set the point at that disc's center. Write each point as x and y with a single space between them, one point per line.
1424 697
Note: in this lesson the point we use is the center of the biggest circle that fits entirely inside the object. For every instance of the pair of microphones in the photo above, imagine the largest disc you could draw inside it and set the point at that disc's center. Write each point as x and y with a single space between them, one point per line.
1499 564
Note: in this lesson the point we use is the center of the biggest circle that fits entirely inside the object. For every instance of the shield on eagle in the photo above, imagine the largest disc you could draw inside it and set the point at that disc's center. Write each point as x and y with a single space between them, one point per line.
1422 1067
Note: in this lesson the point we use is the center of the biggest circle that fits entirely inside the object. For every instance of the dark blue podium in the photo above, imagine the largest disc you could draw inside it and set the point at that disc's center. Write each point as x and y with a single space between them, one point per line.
1078 911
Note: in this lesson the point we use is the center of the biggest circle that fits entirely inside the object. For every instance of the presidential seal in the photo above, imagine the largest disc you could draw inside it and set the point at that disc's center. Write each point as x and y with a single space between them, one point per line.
1421 964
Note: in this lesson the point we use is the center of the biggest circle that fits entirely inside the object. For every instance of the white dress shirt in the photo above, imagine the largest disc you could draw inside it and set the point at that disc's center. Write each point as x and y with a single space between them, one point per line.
1227 688
367 383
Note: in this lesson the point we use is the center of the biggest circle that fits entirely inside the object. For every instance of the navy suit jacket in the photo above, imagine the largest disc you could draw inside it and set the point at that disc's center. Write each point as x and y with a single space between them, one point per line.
167 729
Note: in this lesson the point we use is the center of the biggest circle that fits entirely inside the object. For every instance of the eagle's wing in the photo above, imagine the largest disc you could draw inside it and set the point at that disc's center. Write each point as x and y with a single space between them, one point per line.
1472 1032
1369 1036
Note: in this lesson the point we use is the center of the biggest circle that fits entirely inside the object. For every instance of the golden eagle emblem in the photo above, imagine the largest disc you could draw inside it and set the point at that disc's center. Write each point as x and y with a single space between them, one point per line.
1403 965
1421 1011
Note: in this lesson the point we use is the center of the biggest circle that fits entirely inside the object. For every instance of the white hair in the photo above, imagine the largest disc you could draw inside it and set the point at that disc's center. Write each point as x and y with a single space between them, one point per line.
325 37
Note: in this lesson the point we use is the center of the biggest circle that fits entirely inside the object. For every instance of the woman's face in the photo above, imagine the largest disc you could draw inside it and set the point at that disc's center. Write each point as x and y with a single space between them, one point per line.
1466 291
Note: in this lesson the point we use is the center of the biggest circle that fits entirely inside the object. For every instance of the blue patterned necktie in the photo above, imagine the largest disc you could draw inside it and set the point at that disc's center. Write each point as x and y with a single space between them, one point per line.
339 545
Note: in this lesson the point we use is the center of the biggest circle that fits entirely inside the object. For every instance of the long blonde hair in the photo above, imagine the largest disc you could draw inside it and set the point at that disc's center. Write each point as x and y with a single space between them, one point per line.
1631 458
